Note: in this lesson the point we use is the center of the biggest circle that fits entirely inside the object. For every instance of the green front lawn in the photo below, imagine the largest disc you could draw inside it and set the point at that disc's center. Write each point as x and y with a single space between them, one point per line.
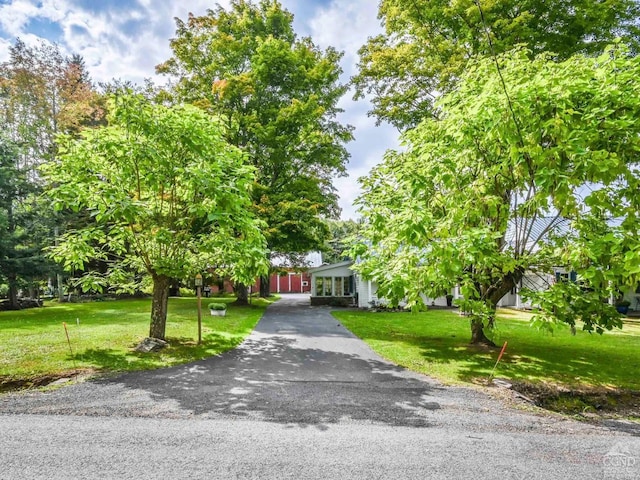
33 342
436 343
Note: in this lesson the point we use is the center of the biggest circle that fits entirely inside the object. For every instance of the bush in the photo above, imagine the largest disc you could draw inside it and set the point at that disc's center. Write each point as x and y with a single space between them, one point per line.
217 306
341 302
623 303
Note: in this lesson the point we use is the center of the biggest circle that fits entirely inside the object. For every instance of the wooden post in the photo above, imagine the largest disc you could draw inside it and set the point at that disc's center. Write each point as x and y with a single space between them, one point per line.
198 291
199 317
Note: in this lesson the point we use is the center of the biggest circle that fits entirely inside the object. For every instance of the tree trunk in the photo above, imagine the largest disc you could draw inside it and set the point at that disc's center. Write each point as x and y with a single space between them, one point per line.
60 288
265 286
494 294
58 276
242 294
477 333
159 306
12 280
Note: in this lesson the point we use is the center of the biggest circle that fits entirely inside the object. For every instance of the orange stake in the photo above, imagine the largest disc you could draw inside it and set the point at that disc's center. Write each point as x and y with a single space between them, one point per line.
504 347
64 324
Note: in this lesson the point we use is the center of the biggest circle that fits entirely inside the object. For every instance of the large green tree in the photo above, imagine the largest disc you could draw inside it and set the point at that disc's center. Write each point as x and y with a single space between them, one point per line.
428 43
528 168
279 95
168 195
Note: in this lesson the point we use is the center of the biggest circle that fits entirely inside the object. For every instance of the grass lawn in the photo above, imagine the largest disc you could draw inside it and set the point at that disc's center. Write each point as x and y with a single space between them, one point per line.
33 342
436 343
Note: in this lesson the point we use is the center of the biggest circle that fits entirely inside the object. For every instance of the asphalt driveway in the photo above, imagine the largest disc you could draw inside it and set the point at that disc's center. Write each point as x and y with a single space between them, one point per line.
301 397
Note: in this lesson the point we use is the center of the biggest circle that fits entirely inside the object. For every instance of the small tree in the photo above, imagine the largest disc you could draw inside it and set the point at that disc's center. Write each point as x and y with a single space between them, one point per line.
530 167
342 233
168 196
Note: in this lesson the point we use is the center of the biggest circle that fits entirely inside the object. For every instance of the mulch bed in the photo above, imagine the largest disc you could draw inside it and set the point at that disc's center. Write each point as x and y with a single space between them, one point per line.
586 401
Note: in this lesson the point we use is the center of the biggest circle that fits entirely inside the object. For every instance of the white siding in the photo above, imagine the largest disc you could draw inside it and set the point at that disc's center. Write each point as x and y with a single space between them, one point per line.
532 281
366 292
632 297
437 302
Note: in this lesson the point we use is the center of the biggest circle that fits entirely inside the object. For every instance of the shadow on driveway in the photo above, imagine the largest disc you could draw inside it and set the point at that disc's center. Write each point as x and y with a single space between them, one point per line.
299 366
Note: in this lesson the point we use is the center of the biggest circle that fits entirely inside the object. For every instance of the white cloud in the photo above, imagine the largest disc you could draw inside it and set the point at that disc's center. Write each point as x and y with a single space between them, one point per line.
52 10
14 16
4 49
345 25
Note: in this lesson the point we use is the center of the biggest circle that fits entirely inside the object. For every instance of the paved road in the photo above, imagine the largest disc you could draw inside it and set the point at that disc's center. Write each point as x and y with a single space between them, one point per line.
300 398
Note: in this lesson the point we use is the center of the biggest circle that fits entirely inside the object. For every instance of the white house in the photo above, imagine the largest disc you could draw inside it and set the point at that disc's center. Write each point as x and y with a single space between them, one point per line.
329 280
533 281
338 284
333 283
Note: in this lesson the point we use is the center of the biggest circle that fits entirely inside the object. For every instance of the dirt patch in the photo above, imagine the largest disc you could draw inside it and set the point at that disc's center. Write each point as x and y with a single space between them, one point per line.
591 402
12 384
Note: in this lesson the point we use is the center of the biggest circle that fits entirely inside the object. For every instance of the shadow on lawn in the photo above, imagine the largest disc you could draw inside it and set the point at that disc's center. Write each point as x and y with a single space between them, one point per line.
564 379
181 350
566 361
570 365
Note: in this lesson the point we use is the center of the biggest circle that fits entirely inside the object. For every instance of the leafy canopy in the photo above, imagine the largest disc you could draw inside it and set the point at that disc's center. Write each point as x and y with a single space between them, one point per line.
427 44
279 96
167 193
544 177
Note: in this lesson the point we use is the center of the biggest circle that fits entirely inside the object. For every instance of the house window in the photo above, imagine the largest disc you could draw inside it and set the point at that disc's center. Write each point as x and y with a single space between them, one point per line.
328 286
348 286
334 286
338 286
566 277
324 286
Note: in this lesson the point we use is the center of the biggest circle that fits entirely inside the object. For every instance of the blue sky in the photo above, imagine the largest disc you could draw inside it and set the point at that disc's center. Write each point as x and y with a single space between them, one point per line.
125 39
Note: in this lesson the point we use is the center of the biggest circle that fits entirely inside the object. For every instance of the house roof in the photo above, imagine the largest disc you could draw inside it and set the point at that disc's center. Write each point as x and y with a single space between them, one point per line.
329 266
541 229
532 232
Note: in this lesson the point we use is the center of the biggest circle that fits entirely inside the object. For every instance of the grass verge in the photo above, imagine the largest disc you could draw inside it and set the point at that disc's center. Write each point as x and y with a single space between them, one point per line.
34 347
436 343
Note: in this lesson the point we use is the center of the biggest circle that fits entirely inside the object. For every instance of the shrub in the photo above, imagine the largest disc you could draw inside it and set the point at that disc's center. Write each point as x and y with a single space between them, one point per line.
217 306
341 302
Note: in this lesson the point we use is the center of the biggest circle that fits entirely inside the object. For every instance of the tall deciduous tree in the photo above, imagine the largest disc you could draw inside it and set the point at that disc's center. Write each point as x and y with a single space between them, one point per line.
342 235
42 93
21 258
168 195
525 171
279 95
428 43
